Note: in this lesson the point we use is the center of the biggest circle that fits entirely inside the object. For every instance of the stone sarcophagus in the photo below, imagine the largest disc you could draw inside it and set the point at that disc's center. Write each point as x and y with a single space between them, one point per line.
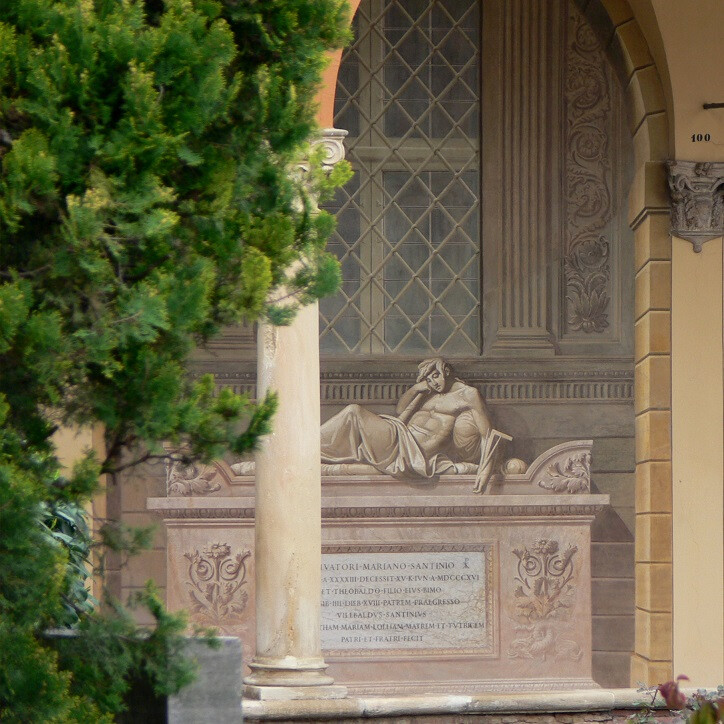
426 586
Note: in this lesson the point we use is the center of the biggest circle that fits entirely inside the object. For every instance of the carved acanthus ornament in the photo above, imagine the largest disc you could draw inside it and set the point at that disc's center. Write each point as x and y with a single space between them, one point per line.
190 479
572 475
216 582
697 201
587 264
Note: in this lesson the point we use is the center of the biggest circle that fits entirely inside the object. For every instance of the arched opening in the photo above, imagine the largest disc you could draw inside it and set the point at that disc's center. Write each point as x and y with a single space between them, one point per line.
554 308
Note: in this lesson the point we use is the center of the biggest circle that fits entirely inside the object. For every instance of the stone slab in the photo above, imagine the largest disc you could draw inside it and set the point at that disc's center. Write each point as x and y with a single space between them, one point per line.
442 706
293 693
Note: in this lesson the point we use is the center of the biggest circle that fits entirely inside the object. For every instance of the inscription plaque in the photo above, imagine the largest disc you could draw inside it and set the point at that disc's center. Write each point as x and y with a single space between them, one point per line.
400 601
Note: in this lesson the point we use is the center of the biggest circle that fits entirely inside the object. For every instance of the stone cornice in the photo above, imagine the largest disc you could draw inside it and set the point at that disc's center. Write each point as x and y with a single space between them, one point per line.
530 386
697 200
460 511
481 698
546 506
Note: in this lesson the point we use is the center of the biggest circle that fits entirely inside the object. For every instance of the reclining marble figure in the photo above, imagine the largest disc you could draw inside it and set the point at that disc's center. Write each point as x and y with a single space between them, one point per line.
441 426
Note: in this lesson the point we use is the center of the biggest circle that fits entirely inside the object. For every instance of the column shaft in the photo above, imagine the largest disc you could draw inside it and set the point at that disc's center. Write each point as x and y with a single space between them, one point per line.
288 509
288 530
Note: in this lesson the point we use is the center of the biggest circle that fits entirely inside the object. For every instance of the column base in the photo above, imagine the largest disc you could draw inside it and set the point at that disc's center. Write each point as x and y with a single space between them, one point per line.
290 671
289 693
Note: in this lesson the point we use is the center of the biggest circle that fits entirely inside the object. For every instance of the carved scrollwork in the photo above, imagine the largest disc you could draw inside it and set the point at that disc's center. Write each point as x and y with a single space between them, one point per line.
545 575
269 335
216 581
697 201
586 262
572 475
190 479
544 600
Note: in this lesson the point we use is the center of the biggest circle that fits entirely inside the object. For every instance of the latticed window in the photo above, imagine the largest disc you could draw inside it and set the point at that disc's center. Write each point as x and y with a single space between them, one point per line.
408 222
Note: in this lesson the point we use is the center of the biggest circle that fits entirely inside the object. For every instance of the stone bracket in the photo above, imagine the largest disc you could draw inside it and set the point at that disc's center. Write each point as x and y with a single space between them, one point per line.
697 200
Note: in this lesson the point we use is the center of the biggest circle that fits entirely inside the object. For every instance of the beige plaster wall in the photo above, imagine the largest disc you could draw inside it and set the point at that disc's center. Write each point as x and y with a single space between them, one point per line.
72 443
698 462
693 45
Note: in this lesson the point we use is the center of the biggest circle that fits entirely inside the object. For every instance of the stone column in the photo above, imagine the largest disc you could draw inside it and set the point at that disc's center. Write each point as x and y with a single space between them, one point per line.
288 532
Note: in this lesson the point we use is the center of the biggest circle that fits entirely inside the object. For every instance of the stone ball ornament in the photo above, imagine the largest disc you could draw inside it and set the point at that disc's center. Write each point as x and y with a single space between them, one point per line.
514 466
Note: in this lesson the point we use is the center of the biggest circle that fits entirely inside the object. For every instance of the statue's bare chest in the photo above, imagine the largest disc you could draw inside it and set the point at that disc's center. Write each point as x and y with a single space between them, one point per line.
449 403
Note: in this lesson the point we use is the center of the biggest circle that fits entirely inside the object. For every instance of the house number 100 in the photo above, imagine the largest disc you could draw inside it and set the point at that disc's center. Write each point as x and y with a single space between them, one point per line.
700 137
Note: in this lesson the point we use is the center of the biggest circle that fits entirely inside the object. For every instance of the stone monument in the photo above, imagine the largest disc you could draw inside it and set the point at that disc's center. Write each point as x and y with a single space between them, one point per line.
427 586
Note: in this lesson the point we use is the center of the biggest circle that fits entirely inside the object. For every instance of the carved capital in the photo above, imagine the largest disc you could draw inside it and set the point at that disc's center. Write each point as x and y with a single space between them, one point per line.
332 141
697 200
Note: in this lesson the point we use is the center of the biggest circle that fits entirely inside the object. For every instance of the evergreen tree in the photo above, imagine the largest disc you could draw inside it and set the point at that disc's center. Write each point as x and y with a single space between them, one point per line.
145 202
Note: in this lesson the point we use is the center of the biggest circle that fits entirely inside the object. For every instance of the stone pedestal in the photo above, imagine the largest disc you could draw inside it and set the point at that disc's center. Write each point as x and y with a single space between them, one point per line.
425 588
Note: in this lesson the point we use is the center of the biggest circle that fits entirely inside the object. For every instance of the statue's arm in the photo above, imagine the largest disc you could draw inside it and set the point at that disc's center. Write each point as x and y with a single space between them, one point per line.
411 400
487 444
479 412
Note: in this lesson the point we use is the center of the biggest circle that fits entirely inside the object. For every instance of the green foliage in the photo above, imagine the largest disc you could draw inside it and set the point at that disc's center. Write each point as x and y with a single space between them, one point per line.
67 527
102 647
703 707
146 200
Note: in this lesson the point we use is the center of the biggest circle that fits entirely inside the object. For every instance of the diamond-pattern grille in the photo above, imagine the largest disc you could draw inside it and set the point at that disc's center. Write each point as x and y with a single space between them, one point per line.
408 223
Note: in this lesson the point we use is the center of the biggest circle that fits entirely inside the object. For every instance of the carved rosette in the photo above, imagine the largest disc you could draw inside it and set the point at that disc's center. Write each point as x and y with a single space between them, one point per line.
697 201
190 479
572 475
588 181
543 602
216 583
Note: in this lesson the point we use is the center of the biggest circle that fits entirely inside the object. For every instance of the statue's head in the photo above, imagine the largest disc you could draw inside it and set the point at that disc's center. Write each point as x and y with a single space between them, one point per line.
436 372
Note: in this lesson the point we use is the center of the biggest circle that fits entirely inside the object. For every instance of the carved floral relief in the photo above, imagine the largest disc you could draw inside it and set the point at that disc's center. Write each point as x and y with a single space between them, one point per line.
216 582
588 197
543 602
